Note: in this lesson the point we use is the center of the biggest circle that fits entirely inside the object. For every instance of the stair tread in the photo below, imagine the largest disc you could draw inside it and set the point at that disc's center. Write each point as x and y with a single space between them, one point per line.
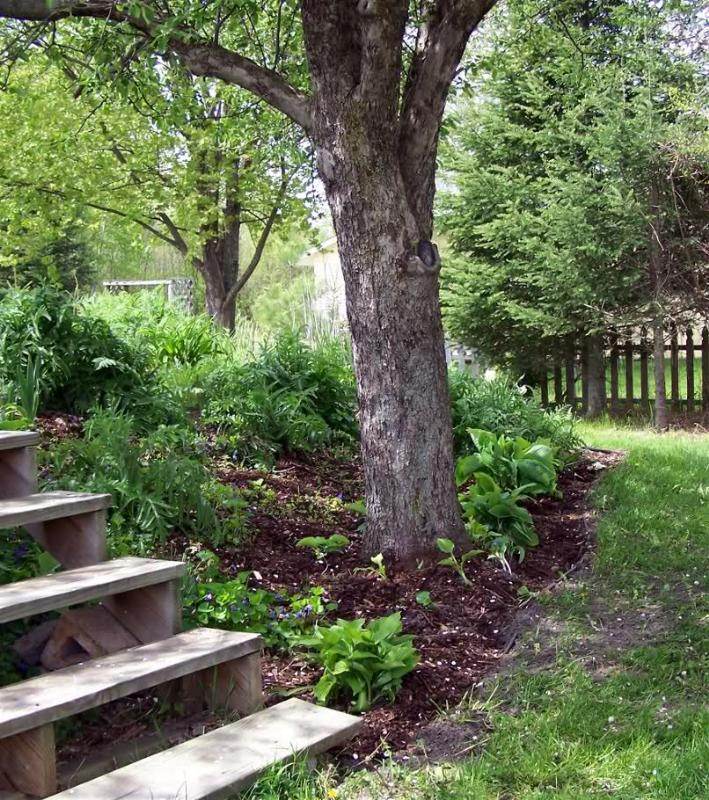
11 440
224 761
47 698
61 589
45 506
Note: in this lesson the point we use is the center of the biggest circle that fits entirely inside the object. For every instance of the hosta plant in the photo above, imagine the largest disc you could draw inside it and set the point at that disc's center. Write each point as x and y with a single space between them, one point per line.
324 545
495 517
362 662
511 462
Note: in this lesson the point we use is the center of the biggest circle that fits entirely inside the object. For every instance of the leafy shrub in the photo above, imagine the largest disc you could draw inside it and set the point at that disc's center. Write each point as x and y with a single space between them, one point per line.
513 463
503 407
364 663
234 605
158 482
495 517
181 339
291 397
74 362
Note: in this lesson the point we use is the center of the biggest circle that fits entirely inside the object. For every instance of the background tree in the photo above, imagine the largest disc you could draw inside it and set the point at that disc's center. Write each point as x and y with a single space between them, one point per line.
585 105
194 164
369 88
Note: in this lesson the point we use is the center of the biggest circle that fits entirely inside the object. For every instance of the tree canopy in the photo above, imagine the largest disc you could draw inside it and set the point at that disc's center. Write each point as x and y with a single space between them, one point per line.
583 106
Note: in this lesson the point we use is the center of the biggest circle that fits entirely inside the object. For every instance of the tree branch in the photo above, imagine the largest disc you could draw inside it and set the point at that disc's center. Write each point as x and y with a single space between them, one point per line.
201 58
441 43
99 207
261 244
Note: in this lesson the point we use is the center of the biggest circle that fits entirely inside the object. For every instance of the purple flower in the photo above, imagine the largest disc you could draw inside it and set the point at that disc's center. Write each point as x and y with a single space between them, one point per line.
208 597
20 552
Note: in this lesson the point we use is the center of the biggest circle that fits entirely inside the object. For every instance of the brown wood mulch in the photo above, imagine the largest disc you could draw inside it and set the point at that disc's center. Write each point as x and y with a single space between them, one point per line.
461 637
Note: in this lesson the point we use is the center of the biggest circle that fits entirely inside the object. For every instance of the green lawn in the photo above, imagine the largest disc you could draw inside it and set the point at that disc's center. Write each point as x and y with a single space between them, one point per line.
607 697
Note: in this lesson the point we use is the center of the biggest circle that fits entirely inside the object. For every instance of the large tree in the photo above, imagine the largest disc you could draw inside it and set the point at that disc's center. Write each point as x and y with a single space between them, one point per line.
369 87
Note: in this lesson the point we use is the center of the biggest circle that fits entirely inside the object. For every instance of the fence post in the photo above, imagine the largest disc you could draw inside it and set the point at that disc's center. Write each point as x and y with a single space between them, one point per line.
705 368
558 391
629 393
674 368
689 357
644 376
571 374
614 373
544 387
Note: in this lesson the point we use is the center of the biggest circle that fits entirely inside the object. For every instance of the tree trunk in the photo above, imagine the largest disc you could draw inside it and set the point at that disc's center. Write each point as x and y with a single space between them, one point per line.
658 341
404 406
399 355
596 367
210 266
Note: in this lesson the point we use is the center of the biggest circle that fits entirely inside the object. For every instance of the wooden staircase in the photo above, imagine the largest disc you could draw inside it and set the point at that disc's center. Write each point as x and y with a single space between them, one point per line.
126 640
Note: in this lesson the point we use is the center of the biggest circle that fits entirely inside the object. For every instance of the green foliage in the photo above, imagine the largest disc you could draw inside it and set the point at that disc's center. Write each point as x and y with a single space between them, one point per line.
56 256
291 397
456 563
423 598
324 545
496 518
158 483
234 605
83 362
363 663
550 160
511 462
505 408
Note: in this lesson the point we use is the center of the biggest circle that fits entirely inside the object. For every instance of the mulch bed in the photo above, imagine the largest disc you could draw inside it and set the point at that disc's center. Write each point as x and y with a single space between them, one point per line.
461 637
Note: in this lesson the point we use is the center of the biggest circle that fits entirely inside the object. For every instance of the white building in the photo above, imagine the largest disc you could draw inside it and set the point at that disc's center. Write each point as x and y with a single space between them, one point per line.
329 304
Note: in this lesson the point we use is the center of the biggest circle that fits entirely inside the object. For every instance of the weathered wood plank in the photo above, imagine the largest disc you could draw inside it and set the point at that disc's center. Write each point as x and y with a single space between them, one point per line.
49 505
644 370
10 440
614 373
18 472
75 541
28 761
558 391
629 391
689 351
214 766
674 368
62 589
55 695
544 389
149 614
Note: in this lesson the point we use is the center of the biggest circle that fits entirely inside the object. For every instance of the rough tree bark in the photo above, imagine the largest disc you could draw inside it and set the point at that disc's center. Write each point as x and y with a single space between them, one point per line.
375 133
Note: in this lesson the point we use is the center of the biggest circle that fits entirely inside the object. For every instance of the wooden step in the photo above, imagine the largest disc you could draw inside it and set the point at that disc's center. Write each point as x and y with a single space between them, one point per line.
12 440
69 691
62 589
18 467
46 506
220 763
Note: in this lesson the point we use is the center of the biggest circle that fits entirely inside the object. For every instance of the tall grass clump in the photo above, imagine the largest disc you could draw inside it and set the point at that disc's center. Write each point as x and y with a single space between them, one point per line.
55 357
